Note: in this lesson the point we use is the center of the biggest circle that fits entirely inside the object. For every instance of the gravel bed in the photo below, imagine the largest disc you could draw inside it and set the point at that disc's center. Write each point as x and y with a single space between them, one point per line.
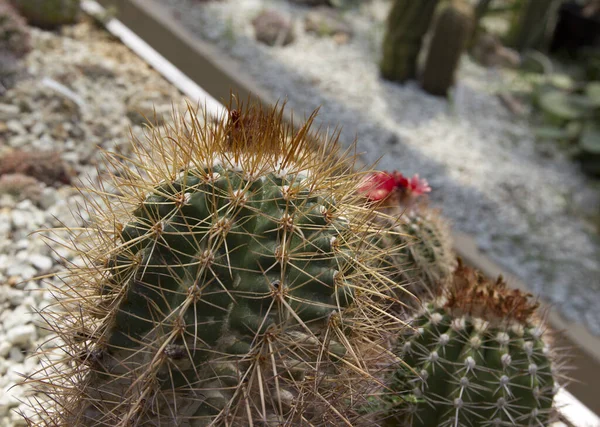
527 204
81 90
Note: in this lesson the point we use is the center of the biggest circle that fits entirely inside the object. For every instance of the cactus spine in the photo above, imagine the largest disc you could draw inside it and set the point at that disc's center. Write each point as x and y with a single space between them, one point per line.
478 357
451 33
407 24
49 14
221 286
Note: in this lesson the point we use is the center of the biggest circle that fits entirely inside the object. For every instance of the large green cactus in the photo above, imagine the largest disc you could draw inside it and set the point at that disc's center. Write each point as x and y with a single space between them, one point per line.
451 32
221 286
49 14
407 24
476 358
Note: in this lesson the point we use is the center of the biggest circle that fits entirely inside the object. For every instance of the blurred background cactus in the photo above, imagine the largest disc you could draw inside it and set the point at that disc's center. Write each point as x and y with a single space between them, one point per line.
49 14
451 32
46 167
14 34
14 44
407 24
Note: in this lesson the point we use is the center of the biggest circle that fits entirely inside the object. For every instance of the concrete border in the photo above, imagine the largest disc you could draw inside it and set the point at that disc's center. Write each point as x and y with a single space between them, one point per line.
151 33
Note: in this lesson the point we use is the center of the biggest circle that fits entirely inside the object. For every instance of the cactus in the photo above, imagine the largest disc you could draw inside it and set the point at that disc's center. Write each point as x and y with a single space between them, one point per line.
49 14
418 241
532 24
407 24
221 286
477 357
46 167
21 187
451 33
14 34
424 258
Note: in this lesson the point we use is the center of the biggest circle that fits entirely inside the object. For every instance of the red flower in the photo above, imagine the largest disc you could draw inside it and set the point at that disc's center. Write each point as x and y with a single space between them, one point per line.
416 185
377 186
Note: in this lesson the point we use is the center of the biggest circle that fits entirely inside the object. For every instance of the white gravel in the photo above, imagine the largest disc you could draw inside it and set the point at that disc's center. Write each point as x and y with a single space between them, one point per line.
524 202
82 91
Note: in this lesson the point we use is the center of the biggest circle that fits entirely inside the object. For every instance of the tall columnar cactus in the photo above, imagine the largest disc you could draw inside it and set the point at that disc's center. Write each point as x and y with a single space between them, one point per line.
407 24
478 357
451 33
49 14
231 281
532 24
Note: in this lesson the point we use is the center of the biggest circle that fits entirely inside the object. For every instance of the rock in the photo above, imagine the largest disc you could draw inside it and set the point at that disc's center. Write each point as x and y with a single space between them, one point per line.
273 28
324 21
22 335
41 262
16 355
19 316
4 348
149 107
8 111
489 52
22 271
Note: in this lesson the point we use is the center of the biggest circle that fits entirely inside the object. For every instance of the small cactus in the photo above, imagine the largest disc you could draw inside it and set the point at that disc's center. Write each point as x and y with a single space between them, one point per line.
423 259
49 14
451 33
229 282
477 357
407 24
14 34
46 167
21 187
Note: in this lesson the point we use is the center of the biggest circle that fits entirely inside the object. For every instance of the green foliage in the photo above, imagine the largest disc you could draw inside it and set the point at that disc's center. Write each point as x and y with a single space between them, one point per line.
49 14
574 115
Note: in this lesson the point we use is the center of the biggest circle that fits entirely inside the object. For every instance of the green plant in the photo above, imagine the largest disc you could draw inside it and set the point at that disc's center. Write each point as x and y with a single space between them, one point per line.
14 34
407 24
424 259
231 280
532 24
419 246
451 32
573 115
479 356
49 14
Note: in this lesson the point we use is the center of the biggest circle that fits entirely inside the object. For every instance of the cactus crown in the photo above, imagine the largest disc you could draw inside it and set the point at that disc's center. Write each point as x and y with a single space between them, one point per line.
231 278
471 294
